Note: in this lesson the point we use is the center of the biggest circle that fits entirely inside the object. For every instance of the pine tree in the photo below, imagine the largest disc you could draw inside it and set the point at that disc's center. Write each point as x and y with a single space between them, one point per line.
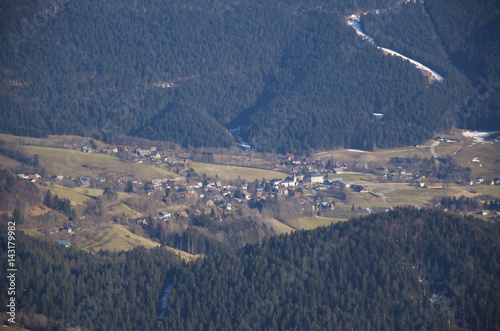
47 201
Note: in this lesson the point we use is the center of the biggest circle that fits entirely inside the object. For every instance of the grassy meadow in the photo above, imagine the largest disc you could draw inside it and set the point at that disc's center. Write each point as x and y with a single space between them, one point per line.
233 172
75 163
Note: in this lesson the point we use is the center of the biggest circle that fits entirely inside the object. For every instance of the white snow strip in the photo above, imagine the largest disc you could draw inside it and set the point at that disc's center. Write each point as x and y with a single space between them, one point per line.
478 135
357 151
419 65
355 22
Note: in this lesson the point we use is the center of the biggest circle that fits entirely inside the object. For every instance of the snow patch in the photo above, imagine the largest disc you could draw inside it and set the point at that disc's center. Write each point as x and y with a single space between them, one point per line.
357 151
478 136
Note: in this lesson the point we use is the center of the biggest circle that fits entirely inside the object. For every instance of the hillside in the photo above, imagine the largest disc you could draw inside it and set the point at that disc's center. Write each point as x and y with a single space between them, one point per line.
294 76
407 269
404 270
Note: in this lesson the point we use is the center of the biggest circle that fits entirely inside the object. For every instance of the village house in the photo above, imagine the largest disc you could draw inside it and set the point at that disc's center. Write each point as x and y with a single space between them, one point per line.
339 182
87 149
356 188
283 191
33 178
69 228
100 179
83 182
142 152
316 178
157 184
141 220
193 186
434 186
64 243
165 215
156 156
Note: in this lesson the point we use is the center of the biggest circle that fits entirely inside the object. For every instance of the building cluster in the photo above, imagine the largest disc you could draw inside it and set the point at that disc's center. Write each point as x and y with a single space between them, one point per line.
215 196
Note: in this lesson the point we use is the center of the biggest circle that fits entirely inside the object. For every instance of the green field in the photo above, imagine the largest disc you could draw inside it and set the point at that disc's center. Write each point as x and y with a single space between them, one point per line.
395 194
117 237
123 209
278 227
78 195
308 223
232 172
75 163
463 151
488 154
354 177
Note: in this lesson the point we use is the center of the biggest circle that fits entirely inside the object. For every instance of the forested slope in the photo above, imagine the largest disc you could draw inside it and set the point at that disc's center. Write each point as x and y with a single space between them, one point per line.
58 288
407 270
404 270
469 30
294 75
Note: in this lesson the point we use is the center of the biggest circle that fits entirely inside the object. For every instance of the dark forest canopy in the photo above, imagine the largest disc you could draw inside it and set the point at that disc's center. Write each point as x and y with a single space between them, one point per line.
293 75
403 270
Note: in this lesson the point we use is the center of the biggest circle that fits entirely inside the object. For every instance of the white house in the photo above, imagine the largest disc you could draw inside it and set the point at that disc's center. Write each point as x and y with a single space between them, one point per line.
341 183
316 178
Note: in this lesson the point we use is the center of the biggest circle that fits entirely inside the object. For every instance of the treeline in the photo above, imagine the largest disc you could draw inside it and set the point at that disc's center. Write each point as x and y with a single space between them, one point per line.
205 157
60 204
294 76
16 193
208 234
463 203
15 152
492 205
